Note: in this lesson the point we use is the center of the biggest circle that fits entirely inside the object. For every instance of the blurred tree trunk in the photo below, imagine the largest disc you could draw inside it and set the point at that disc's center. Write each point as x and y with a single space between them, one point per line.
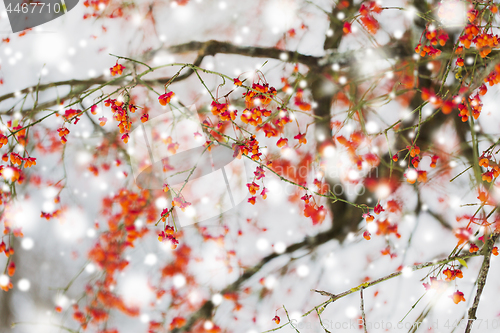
5 311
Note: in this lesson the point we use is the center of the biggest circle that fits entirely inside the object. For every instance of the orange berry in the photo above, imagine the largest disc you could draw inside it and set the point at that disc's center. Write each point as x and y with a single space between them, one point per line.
12 268
473 248
458 297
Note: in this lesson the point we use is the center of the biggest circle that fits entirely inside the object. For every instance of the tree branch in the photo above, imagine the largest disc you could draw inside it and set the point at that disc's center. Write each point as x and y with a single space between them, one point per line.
362 307
334 297
204 49
481 279
213 47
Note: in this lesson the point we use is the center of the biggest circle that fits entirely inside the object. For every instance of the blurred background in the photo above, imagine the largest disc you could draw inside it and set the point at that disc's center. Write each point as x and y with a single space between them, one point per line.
235 273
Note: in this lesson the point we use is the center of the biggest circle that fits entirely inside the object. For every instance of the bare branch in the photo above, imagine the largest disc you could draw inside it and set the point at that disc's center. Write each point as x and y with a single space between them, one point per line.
362 307
80 86
42 87
481 279
213 47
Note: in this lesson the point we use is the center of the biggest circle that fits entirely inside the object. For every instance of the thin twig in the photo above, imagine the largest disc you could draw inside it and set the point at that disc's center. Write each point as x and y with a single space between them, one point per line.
288 317
362 306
